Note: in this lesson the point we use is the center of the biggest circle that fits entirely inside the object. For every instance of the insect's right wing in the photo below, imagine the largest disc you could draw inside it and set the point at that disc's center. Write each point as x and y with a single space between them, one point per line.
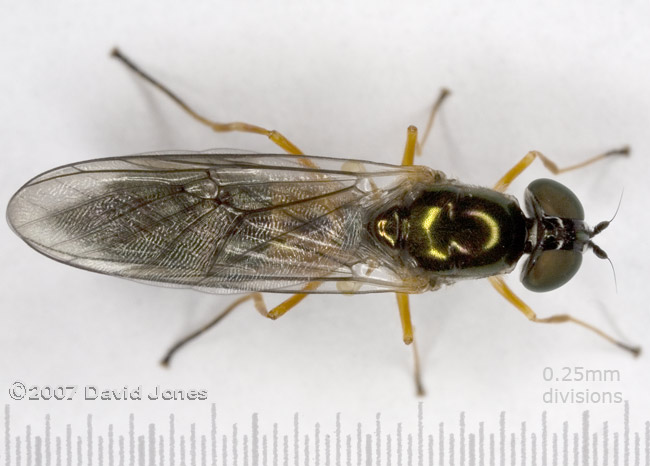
218 222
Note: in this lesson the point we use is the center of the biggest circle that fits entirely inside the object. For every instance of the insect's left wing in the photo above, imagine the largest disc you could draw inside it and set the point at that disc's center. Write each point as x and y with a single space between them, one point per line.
217 222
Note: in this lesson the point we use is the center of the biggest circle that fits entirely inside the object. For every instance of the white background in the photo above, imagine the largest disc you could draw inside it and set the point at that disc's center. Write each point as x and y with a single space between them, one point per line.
567 78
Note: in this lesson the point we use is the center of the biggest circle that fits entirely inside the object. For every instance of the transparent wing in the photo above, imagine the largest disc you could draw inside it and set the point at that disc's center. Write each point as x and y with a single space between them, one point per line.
217 222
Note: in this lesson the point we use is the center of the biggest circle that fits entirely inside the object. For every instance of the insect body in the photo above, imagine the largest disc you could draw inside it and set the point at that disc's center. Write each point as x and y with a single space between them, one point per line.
253 222
228 222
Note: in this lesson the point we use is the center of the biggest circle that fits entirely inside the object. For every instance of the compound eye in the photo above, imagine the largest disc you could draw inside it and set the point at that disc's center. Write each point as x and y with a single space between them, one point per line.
550 269
553 199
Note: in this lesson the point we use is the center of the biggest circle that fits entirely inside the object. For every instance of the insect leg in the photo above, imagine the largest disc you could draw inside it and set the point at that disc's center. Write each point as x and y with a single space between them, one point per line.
182 342
506 292
273 135
282 308
444 93
407 336
515 171
403 298
413 146
260 305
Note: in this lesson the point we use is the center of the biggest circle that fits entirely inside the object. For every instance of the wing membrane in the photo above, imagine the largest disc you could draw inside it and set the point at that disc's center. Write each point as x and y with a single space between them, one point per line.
216 222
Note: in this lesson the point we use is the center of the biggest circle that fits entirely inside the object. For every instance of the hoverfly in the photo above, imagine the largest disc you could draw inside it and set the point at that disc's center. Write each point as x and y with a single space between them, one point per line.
237 222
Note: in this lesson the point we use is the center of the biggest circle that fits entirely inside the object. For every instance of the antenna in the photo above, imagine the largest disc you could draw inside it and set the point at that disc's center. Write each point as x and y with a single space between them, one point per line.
602 225
601 254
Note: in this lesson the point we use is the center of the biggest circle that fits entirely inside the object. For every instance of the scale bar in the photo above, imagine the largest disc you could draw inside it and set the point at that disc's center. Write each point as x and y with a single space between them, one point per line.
265 444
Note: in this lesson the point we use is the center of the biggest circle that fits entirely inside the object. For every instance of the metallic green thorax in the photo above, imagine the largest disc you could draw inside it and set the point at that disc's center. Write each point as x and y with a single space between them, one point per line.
454 231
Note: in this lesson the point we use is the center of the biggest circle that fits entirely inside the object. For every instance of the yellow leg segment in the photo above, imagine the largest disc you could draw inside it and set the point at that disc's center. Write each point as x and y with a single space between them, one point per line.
506 292
273 135
282 308
409 149
515 171
405 317
407 336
